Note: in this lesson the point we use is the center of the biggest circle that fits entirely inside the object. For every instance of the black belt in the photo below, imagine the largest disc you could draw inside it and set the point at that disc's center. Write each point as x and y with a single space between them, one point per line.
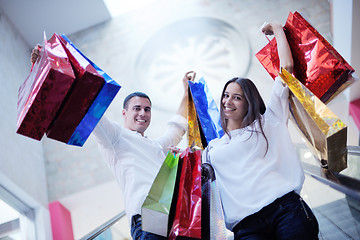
265 209
135 219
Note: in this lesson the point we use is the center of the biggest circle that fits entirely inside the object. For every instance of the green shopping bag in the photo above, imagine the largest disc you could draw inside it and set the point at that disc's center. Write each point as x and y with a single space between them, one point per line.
156 207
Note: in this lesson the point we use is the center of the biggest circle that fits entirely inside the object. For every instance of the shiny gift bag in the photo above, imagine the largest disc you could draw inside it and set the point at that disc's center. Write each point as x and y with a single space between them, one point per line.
87 84
206 110
316 63
44 90
324 132
97 108
212 215
186 222
156 207
194 134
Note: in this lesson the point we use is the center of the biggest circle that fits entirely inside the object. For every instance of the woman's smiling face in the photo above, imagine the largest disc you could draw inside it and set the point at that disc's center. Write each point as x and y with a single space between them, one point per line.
235 105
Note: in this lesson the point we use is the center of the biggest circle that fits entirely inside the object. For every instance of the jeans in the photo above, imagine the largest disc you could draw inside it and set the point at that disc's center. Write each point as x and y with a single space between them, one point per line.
288 217
138 234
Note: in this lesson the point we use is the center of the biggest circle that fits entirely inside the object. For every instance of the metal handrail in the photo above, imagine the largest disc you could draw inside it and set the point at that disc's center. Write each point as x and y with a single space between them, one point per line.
354 150
102 228
343 183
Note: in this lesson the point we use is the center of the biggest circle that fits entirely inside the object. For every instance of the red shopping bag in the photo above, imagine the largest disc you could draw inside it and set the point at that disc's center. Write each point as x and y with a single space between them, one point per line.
316 63
186 222
84 90
43 91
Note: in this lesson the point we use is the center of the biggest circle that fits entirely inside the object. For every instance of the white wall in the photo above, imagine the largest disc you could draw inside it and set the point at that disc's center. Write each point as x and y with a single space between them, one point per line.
22 170
97 205
355 56
346 34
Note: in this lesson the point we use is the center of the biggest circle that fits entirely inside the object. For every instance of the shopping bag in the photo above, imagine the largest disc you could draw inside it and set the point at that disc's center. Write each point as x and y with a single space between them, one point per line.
43 91
156 207
212 215
87 84
98 107
186 222
324 132
206 109
195 136
316 63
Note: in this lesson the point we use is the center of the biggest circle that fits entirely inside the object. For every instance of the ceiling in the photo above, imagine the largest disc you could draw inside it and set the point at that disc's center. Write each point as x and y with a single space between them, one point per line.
32 18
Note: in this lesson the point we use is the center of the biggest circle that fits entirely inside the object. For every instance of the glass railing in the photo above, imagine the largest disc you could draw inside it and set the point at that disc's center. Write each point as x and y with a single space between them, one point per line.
347 181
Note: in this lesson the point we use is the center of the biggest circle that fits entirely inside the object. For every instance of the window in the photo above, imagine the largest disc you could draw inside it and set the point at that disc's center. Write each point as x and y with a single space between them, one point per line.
16 218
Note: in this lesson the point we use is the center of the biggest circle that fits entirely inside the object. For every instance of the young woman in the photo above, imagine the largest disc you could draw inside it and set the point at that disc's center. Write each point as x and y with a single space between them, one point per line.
256 165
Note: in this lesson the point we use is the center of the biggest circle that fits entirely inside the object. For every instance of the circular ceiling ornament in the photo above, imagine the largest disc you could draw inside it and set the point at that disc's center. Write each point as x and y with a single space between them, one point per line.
212 47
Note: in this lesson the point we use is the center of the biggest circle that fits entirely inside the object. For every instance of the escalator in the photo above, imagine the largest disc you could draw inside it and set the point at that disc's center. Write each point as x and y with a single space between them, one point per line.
333 197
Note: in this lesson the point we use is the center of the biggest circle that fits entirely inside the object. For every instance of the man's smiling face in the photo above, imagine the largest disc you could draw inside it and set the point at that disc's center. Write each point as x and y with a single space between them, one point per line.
137 115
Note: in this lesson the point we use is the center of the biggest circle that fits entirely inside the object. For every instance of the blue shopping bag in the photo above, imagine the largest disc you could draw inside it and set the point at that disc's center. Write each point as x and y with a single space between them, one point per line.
97 108
206 109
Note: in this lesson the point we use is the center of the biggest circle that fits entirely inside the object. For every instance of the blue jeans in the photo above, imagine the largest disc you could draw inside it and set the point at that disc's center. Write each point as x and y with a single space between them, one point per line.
138 234
288 217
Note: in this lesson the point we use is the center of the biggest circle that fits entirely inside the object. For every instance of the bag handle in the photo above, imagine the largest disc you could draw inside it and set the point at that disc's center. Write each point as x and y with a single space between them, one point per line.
207 158
207 171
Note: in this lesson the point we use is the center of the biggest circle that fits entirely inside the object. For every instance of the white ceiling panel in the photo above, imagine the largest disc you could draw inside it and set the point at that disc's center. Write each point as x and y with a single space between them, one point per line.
32 18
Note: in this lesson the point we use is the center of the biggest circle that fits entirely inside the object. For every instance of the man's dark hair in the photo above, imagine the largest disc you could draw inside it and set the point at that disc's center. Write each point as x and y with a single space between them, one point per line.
134 94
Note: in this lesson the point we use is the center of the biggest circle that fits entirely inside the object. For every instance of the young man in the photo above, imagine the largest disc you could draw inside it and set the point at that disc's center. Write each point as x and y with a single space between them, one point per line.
135 159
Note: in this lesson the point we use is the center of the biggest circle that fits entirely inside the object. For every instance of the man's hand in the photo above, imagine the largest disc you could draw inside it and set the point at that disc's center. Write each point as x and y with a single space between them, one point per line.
173 149
35 54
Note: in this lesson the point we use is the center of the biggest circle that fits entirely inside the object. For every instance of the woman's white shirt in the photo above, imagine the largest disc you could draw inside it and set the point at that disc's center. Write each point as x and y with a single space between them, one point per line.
250 178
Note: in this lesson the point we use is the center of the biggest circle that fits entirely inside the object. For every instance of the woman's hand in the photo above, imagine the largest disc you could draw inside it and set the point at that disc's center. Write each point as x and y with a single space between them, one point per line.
35 54
269 28
284 51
